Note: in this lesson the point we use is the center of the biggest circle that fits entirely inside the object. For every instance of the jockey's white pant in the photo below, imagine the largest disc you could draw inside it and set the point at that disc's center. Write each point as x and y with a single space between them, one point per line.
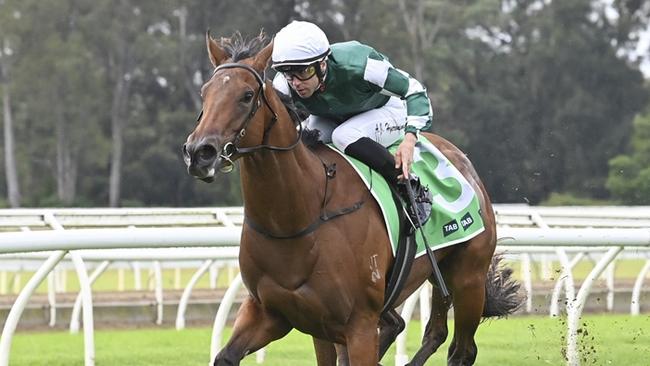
385 125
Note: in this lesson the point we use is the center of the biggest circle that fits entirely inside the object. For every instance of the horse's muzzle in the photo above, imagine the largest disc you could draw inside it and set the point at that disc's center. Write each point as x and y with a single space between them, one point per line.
201 160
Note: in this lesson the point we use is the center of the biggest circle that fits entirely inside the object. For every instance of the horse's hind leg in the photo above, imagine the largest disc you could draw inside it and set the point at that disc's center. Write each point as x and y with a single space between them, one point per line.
436 331
391 325
468 309
468 286
254 328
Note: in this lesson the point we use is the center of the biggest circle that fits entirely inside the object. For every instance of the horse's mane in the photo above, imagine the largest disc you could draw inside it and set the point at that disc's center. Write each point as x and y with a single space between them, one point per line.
239 48
309 137
297 114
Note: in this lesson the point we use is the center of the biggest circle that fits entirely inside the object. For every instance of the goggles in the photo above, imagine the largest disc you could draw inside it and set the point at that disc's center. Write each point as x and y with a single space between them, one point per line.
300 72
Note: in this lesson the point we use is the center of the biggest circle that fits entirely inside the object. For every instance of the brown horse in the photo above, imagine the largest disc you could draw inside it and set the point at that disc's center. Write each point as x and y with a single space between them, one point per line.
306 268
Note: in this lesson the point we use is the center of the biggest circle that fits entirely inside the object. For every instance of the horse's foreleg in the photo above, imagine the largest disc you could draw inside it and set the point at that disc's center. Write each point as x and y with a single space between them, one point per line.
325 352
436 330
254 328
362 342
342 354
391 325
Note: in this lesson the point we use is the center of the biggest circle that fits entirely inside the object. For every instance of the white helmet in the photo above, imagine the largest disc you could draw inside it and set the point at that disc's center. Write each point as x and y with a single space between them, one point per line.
299 43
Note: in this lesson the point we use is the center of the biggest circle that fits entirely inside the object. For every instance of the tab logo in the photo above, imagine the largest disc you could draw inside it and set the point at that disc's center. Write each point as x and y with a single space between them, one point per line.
450 228
466 221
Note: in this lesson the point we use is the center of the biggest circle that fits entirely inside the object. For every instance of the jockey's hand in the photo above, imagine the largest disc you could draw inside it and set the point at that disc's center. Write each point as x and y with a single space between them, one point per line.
404 155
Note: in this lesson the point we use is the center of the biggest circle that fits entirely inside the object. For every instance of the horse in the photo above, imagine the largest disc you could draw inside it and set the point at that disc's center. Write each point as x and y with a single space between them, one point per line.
314 251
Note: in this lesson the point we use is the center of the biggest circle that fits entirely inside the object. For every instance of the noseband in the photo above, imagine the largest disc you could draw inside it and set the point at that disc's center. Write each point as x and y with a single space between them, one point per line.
233 148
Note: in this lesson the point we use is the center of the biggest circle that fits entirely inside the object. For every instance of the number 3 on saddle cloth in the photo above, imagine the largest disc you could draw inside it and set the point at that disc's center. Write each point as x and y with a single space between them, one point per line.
455 213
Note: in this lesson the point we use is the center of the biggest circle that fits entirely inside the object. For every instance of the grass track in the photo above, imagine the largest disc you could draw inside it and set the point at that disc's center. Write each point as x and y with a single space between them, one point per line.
530 341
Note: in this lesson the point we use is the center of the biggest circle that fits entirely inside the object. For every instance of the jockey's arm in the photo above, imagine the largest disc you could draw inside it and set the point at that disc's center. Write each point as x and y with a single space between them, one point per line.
395 82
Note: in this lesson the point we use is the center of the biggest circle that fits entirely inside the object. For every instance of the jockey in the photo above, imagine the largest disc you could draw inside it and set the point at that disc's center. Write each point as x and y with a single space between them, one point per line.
355 97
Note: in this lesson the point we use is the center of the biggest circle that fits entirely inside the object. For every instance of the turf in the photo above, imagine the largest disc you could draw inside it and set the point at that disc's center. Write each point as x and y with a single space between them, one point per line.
530 341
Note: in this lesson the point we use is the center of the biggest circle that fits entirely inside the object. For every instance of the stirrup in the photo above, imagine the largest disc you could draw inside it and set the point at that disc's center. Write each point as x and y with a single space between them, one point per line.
423 200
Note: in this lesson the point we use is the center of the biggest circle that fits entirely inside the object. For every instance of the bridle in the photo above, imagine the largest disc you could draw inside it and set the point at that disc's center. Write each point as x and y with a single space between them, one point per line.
232 148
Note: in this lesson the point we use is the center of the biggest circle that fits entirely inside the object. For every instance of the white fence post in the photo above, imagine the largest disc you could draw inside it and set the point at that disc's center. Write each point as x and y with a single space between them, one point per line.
76 309
86 295
526 278
51 297
575 306
137 276
182 304
609 276
635 302
222 316
565 278
158 288
21 302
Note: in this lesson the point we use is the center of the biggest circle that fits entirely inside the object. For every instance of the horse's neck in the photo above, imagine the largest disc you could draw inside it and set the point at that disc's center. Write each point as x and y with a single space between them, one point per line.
283 191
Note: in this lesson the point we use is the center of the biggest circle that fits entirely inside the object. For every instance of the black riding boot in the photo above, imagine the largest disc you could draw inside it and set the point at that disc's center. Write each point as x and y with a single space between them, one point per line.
376 157
380 160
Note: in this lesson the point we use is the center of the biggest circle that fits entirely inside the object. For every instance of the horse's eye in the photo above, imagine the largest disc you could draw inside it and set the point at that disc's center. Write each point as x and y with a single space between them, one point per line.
248 96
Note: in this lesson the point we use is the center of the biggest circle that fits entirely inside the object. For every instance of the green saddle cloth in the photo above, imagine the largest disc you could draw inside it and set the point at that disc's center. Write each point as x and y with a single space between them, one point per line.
455 215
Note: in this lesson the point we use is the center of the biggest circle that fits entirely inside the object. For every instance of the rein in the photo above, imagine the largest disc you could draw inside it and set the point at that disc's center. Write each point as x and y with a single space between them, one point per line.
232 148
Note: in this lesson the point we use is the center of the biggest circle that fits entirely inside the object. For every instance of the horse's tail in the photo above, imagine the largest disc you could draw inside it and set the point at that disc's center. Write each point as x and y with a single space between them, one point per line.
501 290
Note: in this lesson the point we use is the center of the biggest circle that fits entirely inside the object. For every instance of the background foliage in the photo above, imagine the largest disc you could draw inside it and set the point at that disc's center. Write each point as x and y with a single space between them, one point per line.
542 95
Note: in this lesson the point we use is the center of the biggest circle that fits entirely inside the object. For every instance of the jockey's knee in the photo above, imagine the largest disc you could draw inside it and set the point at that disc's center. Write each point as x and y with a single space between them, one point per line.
343 137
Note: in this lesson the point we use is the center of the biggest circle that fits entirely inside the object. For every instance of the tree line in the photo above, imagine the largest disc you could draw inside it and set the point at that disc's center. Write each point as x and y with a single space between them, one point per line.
98 96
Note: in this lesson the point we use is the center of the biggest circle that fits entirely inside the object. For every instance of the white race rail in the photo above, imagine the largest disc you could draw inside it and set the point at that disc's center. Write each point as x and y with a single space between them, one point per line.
521 228
15 242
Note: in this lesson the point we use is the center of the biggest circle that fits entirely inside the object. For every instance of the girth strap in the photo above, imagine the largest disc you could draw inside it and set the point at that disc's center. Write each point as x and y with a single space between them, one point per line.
321 219
330 173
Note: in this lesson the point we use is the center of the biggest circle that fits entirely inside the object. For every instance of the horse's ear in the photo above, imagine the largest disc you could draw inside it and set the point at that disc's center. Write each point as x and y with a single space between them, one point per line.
263 57
217 54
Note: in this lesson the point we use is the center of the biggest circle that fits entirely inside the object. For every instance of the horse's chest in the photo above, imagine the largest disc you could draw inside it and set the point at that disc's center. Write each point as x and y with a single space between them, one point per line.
307 307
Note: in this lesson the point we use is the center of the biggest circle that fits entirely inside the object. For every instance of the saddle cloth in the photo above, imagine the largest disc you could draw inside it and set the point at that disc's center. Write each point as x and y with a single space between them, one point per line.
455 215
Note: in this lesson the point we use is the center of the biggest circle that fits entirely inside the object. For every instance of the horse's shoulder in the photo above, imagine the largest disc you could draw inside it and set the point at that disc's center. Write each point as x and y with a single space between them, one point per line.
329 156
346 175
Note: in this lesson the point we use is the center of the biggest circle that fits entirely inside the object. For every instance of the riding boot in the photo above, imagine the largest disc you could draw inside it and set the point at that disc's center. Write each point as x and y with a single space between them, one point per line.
378 158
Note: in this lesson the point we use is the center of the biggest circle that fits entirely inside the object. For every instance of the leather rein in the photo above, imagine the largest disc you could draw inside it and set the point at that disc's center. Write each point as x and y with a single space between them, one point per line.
231 149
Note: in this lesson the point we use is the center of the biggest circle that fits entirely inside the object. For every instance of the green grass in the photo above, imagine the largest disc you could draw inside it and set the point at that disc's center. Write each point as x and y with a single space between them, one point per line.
530 341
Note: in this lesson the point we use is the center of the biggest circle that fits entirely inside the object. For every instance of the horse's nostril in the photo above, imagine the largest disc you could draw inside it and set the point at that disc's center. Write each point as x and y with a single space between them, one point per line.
187 157
206 153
